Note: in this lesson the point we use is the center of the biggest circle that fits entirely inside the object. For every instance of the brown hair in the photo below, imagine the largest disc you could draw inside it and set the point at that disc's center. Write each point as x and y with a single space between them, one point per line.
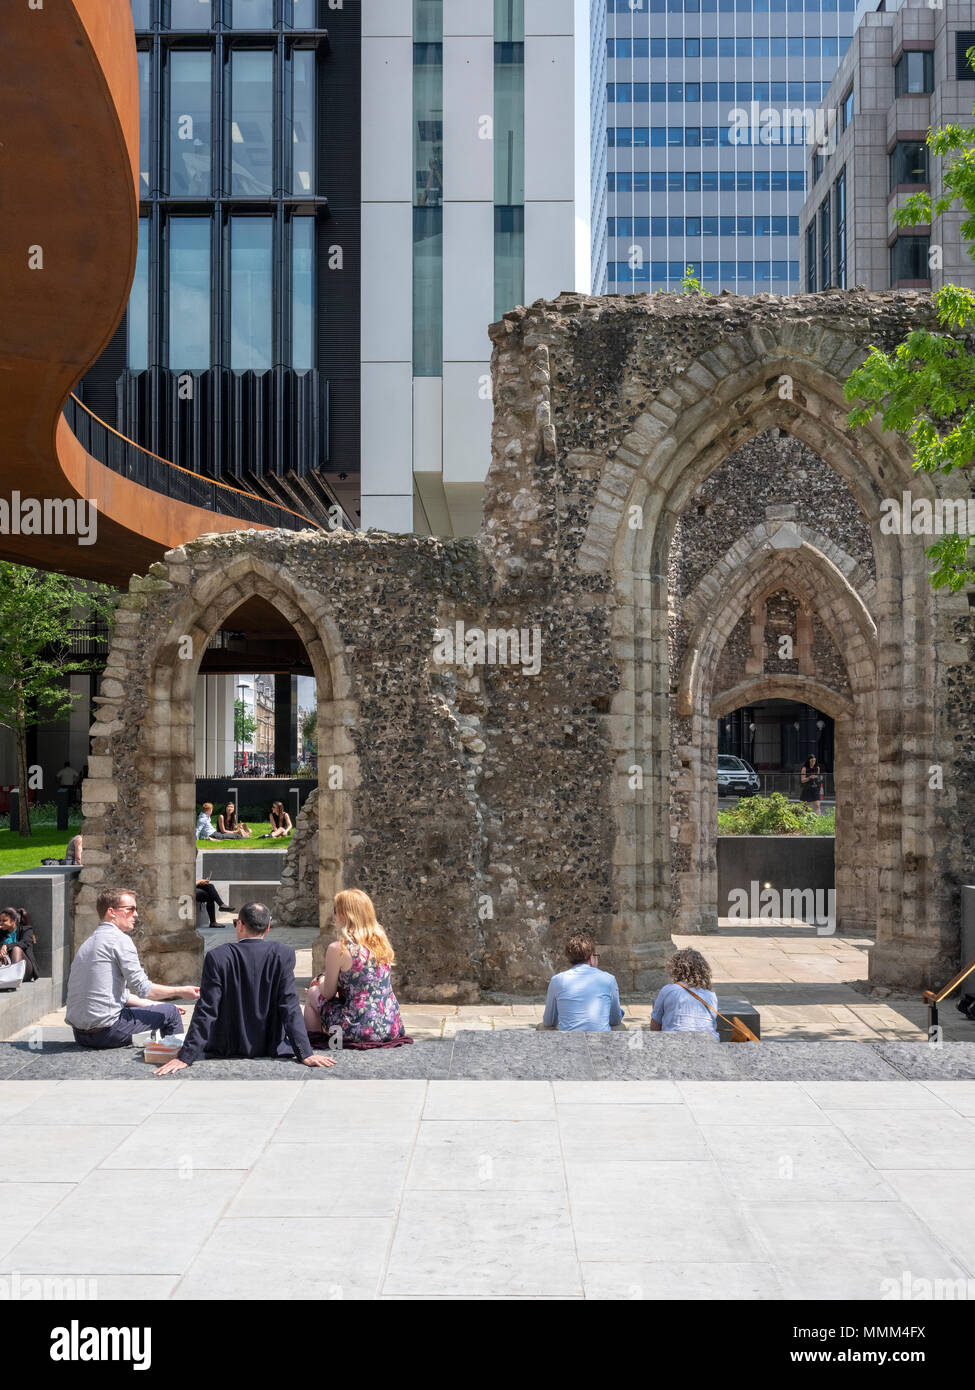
111 898
688 967
579 948
208 807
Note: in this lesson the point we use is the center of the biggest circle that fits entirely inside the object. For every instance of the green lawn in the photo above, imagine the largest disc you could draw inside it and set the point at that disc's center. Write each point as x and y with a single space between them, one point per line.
259 827
46 842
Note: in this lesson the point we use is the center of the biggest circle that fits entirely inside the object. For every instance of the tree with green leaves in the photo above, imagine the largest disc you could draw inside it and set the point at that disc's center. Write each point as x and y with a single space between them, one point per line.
38 615
309 734
245 725
925 388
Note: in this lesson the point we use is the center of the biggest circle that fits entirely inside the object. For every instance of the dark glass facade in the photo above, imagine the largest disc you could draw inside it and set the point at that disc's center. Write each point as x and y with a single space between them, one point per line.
238 356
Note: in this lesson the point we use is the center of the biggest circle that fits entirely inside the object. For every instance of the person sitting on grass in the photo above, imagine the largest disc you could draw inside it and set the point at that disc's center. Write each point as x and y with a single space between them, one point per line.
204 822
248 1006
17 940
229 827
682 1007
353 1000
582 999
280 822
74 850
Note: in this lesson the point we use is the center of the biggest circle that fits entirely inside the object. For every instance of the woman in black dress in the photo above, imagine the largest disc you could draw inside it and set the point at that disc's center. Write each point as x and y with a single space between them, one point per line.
811 777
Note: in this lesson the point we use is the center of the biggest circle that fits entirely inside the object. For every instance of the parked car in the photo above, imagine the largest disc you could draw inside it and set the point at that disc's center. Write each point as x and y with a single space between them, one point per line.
736 777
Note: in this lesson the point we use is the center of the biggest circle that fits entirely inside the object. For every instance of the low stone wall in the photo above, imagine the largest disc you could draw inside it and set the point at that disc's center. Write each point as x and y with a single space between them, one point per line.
296 901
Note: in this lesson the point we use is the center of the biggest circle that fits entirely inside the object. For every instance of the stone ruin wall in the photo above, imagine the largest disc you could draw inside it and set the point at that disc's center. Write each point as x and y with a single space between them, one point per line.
485 810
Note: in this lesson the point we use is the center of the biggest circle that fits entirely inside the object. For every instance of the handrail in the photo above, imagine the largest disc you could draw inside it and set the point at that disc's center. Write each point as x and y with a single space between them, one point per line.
198 477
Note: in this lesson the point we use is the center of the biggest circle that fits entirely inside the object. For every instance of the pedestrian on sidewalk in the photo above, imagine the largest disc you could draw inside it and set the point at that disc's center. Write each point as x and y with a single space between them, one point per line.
811 778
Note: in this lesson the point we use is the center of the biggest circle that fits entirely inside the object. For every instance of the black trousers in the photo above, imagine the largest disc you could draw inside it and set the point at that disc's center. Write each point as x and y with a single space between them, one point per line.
206 893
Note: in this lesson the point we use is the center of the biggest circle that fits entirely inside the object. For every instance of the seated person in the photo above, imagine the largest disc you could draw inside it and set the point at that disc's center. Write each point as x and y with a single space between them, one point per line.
229 827
280 822
353 999
676 1010
582 999
72 854
204 822
206 893
109 993
248 1006
17 940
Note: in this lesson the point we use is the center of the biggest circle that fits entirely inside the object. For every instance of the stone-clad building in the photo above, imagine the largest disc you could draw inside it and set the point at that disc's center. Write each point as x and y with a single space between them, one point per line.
905 72
673 483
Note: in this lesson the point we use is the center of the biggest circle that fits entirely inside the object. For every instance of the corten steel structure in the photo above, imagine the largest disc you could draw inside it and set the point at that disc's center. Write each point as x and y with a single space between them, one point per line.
636 520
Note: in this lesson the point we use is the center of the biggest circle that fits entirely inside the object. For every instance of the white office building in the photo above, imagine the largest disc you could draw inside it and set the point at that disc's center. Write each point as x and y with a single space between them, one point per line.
481 122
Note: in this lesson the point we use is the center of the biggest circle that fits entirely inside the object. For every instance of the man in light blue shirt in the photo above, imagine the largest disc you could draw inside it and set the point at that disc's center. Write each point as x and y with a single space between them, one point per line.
582 999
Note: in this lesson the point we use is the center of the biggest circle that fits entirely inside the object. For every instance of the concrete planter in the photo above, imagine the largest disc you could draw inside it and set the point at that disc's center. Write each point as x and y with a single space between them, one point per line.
799 870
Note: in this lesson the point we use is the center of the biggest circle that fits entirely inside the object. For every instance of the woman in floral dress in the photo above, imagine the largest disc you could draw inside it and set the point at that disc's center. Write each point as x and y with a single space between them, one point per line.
354 993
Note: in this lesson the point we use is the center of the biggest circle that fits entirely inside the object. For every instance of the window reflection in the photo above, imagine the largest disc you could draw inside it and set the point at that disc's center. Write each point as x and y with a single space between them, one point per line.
145 103
137 319
141 17
509 123
428 123
189 123
250 293
253 14
250 128
427 291
189 14
509 259
189 293
303 121
303 293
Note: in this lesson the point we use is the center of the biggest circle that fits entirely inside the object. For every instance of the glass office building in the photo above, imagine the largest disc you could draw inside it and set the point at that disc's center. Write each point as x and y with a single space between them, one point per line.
711 113
229 361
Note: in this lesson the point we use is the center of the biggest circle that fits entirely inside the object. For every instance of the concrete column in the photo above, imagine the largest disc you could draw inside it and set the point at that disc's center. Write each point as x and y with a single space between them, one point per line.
213 716
285 725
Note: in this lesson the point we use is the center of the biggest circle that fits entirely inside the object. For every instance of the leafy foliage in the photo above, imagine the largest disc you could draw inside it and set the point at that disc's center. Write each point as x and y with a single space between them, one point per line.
774 815
690 284
245 725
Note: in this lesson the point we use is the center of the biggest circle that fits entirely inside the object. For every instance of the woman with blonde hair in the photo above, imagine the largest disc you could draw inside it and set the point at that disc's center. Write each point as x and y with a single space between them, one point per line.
354 994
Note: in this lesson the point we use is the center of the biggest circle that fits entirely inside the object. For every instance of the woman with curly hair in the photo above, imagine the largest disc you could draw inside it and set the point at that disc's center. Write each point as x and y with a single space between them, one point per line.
678 1007
354 996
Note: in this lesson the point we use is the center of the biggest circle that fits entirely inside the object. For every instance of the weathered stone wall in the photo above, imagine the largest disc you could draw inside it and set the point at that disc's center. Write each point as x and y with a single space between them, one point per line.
296 901
489 809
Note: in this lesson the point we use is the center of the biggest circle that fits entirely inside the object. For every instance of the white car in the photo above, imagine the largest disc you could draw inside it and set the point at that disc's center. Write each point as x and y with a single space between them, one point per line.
736 777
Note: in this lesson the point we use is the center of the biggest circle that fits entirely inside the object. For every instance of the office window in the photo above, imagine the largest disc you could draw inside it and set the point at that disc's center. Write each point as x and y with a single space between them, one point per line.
909 259
846 110
253 14
189 14
189 123
302 293
509 124
509 259
303 121
145 108
908 163
189 293
914 74
964 42
658 91
302 14
137 318
509 22
250 293
141 16
252 100
428 123
428 290
811 257
839 204
817 167
825 262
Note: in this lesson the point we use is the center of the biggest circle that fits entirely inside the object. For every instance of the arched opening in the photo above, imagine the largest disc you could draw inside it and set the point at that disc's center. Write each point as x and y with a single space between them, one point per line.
250 597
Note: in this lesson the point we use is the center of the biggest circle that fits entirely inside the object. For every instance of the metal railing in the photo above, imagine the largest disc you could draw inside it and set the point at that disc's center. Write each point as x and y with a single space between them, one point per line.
130 460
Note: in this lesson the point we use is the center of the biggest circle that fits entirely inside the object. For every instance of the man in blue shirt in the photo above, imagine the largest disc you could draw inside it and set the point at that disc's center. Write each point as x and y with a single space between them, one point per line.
582 999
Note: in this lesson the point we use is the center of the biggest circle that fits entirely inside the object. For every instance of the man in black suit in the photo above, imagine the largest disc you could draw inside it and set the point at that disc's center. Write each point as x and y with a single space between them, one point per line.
247 1006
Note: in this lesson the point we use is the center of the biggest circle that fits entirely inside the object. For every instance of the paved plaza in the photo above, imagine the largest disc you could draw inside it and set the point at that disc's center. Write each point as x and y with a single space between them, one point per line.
440 1189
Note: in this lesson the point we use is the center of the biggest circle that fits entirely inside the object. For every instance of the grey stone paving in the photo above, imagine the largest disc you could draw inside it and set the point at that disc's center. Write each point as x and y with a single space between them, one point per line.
528 1055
